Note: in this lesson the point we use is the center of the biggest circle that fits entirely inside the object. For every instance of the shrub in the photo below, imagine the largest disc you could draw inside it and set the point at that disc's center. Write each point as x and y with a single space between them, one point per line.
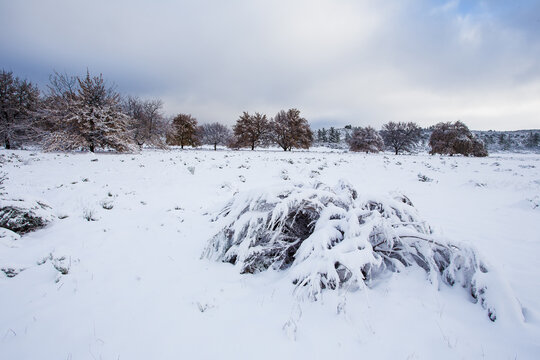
455 138
365 139
22 216
333 237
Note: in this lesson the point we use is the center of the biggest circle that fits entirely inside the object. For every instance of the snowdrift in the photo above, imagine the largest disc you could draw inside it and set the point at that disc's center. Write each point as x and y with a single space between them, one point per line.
334 237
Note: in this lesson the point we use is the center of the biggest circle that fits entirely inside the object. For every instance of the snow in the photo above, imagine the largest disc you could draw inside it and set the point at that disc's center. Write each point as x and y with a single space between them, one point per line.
137 288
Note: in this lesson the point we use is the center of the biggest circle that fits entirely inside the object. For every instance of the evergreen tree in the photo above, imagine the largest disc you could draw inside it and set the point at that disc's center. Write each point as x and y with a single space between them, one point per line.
324 135
504 141
334 136
533 140
19 103
87 116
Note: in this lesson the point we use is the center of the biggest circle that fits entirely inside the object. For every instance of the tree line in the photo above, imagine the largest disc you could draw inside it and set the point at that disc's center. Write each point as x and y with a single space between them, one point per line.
446 138
287 129
84 113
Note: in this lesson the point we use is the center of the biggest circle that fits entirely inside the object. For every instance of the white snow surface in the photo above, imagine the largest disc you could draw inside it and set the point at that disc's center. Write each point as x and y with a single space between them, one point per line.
137 288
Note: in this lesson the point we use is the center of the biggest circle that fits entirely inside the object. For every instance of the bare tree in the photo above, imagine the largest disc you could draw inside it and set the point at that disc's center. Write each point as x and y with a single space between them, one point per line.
365 139
401 136
148 124
62 86
251 130
19 103
59 102
290 130
455 138
85 115
184 131
215 134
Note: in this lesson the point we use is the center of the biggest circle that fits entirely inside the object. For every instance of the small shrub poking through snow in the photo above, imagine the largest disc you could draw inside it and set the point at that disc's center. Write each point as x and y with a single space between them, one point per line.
535 202
11 272
107 205
332 237
88 214
424 178
3 177
22 216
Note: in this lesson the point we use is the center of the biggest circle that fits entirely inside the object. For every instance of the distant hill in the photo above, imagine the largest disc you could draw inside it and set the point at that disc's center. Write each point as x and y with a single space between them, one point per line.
520 140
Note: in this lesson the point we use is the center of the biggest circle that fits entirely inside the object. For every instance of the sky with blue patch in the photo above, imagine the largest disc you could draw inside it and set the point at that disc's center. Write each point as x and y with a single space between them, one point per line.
340 62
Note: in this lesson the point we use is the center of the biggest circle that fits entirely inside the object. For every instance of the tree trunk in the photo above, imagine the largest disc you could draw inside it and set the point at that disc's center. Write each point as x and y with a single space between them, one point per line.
253 146
7 143
215 146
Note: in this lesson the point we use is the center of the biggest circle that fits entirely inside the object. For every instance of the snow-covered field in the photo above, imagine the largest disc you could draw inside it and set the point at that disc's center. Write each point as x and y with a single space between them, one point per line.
129 230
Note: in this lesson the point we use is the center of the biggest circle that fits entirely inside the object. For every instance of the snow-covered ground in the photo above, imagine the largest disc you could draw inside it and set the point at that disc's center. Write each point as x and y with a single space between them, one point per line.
137 288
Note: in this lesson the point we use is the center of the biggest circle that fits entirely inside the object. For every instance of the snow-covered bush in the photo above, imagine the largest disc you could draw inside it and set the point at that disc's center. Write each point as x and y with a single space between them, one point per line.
331 237
22 216
365 139
424 178
455 138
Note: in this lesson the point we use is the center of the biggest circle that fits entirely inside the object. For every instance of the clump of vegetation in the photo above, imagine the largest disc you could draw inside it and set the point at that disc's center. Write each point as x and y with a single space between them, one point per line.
60 263
366 140
107 205
11 272
22 216
424 178
455 138
333 237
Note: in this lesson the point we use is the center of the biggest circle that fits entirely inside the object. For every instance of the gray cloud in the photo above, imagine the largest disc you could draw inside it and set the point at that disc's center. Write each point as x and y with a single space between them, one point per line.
340 62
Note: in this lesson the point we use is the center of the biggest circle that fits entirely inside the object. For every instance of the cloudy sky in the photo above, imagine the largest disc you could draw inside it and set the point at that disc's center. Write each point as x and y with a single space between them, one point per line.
338 61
